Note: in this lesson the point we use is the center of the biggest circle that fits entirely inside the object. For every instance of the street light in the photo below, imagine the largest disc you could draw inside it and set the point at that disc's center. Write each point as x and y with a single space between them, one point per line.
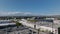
52 27
38 30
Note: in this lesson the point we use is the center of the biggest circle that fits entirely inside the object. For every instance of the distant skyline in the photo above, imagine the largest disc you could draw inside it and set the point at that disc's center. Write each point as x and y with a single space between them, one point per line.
33 7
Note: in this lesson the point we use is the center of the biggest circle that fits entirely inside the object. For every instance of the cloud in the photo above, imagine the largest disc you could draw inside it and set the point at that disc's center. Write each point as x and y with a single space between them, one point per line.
12 13
27 13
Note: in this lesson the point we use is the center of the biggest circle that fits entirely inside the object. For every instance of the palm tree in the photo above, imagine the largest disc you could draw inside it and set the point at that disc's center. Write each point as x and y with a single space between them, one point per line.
6 26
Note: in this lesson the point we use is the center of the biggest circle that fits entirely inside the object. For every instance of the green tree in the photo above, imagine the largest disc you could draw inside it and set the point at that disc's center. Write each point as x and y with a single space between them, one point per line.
18 24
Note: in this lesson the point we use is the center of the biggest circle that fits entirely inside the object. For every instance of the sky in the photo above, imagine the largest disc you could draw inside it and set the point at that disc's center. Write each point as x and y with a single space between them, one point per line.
36 7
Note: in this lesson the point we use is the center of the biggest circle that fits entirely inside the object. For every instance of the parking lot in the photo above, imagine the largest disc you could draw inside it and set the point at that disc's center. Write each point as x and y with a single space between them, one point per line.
20 30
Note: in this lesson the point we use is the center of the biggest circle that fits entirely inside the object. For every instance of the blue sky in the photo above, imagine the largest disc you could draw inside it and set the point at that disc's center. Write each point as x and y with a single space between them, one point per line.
39 7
